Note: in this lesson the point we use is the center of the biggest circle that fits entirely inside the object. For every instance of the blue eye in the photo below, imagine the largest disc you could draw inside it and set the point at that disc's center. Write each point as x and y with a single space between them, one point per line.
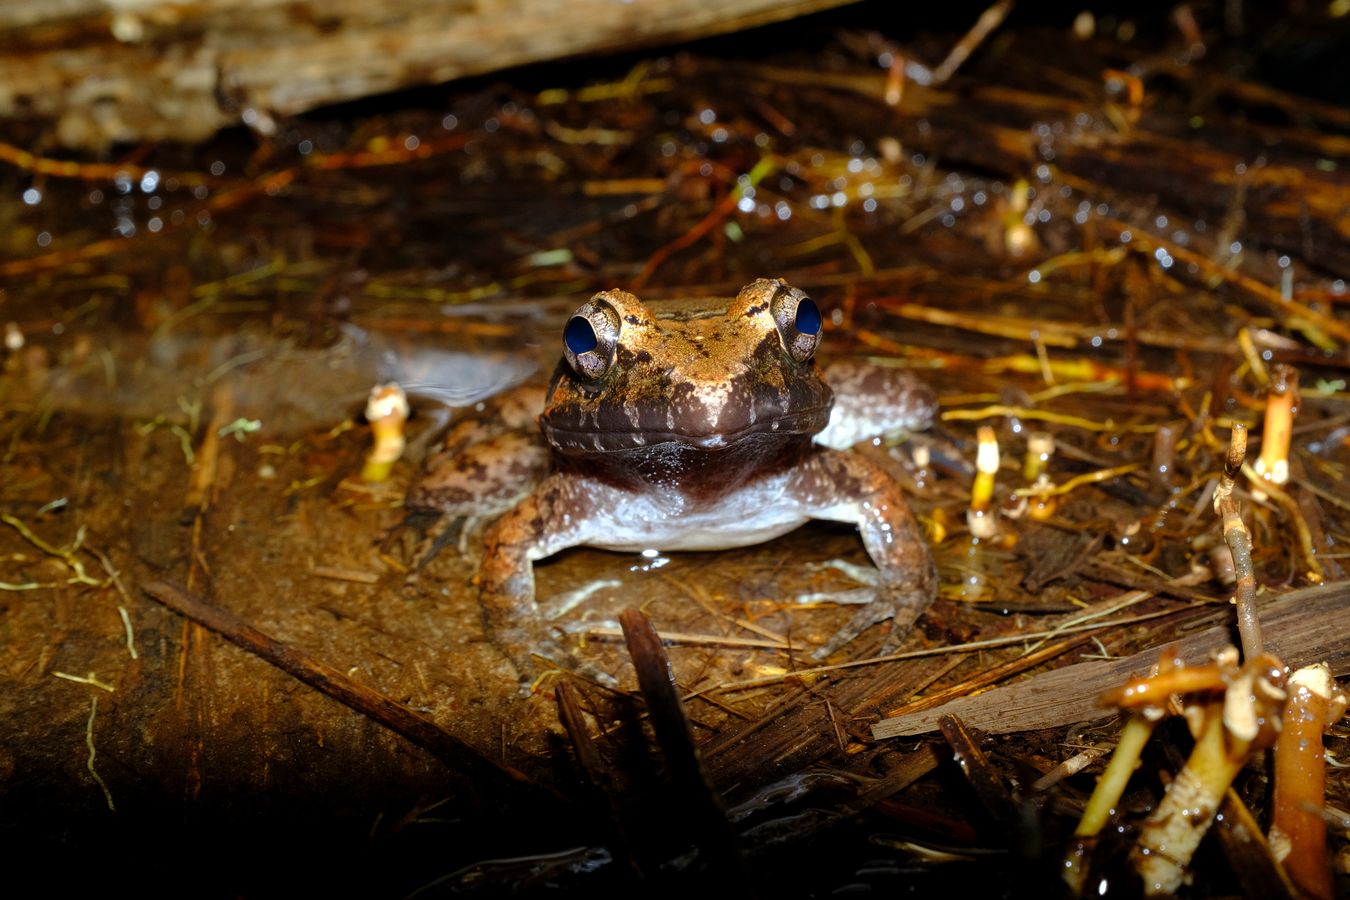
580 337
797 319
591 336
808 317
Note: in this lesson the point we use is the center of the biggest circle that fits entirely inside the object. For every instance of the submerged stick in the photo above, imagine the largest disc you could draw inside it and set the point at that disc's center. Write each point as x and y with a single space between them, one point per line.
418 729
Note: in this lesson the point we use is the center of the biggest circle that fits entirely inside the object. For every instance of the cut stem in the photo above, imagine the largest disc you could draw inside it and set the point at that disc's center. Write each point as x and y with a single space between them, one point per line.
980 516
1298 834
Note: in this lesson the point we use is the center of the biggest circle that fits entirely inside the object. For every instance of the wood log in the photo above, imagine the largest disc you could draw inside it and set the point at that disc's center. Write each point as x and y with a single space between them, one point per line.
105 72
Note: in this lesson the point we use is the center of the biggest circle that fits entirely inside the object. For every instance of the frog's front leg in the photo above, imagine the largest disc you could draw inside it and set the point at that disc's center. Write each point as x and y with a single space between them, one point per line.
845 487
565 510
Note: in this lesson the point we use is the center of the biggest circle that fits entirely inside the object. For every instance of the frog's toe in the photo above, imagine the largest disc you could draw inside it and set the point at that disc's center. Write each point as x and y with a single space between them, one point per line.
537 651
853 571
904 610
849 597
867 576
871 614
561 659
437 537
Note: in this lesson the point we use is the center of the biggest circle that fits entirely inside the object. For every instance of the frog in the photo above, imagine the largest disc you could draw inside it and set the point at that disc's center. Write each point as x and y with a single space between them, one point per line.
685 425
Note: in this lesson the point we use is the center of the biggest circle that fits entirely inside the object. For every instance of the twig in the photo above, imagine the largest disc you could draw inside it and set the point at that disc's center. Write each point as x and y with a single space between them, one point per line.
698 806
991 675
131 634
990 19
67 553
89 763
684 637
90 679
719 213
1049 490
941 651
1240 543
1312 569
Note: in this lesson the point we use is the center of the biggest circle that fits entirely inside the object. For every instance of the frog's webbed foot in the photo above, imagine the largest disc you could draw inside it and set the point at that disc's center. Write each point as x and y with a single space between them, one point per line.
436 537
554 634
445 529
877 604
903 609
531 639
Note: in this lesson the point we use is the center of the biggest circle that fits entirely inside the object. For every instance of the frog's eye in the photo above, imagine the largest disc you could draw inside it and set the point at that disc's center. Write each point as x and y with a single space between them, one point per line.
799 322
591 338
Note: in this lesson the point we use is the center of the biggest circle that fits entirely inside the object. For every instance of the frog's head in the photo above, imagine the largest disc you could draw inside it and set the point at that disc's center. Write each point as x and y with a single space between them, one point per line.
703 373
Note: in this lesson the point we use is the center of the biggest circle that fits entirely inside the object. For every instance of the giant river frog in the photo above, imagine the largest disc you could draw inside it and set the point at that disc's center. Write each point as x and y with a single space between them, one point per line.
684 425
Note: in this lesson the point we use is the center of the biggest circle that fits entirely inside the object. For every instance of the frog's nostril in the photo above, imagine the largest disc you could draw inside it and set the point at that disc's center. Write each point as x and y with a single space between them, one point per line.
580 336
808 317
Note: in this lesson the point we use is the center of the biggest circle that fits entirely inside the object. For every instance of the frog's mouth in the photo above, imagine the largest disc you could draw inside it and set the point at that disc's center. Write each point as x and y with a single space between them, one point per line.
595 435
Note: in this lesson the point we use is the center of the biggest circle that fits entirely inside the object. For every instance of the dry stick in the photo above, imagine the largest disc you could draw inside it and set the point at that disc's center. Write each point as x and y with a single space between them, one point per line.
595 772
1303 539
702 809
993 675
418 729
988 787
1240 543
990 19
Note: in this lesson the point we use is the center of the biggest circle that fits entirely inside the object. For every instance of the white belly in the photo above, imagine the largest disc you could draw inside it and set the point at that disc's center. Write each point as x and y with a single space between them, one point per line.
751 515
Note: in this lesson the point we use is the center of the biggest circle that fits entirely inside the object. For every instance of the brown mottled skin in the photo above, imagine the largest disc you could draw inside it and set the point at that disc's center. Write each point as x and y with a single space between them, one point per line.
690 425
